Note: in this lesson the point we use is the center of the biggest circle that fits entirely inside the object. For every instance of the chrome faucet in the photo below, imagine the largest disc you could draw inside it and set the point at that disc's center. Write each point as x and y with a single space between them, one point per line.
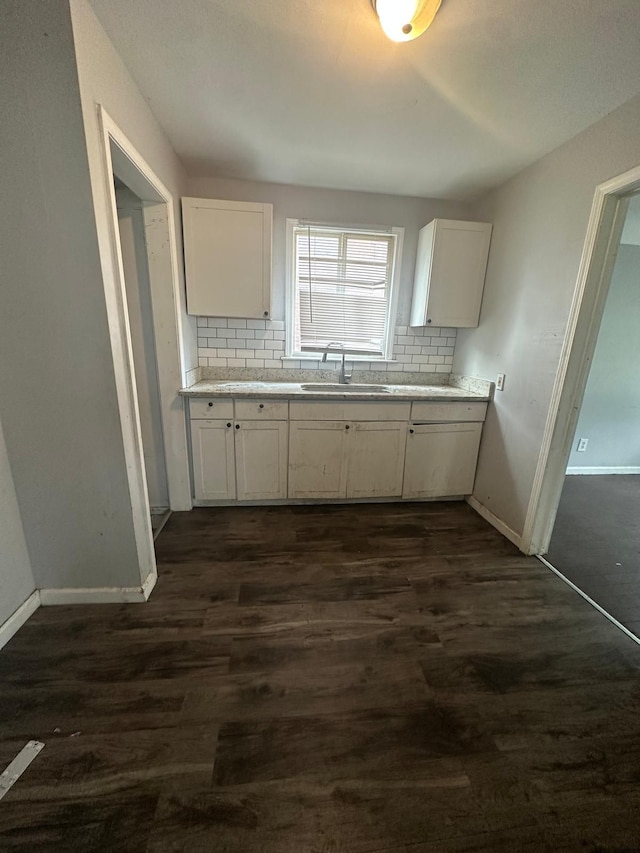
345 377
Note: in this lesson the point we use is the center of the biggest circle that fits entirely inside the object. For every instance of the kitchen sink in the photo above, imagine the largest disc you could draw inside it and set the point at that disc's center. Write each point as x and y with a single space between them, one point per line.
345 389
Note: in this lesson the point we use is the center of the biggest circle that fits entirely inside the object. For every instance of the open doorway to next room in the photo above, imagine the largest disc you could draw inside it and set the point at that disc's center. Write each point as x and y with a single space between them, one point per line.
596 537
133 246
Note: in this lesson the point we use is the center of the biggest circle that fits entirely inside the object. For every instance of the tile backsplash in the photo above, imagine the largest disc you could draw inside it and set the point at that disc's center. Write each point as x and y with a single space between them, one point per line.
260 344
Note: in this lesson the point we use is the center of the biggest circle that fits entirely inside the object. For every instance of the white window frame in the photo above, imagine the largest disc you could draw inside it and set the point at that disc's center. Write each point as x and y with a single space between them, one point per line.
290 301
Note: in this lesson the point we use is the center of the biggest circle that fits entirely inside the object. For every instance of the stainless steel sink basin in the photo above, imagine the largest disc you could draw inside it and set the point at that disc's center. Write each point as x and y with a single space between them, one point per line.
345 389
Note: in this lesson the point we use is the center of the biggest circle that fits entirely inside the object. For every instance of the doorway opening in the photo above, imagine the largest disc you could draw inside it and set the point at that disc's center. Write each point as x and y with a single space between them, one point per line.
135 265
588 477
596 536
143 307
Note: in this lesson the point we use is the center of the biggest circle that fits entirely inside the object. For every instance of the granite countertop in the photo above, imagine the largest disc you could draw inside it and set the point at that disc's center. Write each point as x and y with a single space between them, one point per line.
315 390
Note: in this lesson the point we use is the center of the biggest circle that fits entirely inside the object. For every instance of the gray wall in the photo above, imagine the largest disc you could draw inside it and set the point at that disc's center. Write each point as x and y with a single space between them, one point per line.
610 413
105 80
57 389
339 206
16 577
540 220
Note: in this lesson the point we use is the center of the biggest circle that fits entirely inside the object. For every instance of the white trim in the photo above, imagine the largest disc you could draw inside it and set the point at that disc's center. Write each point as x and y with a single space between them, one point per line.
121 347
149 585
160 230
589 599
16 768
334 360
17 619
387 356
97 595
325 501
499 525
594 276
163 281
395 293
633 469
289 295
46 597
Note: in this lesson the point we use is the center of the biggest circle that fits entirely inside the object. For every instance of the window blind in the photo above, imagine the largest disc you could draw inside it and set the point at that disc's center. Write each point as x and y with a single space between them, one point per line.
342 288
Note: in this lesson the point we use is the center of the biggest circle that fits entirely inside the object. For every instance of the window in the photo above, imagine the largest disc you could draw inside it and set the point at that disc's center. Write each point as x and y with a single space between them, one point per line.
342 288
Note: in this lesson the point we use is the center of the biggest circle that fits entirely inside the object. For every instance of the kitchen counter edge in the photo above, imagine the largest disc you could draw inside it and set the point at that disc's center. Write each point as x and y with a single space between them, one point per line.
295 391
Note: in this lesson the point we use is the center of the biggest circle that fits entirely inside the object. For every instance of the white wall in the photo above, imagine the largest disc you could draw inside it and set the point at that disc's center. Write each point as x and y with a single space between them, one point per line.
57 389
610 412
105 80
16 577
136 274
540 220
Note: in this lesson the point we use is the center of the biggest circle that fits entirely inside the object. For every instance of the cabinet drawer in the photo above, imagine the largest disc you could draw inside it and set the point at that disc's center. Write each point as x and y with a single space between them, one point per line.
336 410
272 410
210 408
432 412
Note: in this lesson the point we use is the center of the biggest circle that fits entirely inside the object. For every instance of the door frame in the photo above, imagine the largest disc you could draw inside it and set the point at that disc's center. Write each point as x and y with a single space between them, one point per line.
594 277
122 159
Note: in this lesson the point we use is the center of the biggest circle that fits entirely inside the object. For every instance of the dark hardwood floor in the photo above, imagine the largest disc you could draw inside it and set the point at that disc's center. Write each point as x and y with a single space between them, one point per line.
327 680
596 542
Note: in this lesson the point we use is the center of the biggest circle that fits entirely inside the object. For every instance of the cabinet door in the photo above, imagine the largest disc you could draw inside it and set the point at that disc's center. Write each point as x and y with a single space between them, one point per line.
227 251
441 460
261 460
376 459
450 272
214 476
317 459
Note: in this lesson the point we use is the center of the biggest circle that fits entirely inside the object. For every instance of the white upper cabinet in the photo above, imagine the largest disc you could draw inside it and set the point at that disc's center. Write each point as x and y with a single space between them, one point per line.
227 253
450 272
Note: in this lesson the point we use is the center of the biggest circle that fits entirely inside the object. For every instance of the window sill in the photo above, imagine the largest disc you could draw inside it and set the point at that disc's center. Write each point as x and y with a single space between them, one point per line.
338 359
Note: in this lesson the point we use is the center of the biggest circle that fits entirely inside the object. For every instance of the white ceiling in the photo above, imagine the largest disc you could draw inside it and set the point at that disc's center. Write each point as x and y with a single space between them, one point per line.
311 92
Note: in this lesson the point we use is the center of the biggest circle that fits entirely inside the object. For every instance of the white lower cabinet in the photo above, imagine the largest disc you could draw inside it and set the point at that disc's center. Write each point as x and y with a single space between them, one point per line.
333 459
333 451
375 459
214 470
245 461
441 459
317 459
261 460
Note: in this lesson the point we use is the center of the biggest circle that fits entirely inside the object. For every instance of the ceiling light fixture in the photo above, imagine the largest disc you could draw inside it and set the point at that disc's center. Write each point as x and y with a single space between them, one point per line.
404 20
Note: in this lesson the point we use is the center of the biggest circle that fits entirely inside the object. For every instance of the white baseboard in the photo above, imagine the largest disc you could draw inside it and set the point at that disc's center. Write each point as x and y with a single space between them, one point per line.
97 595
634 469
149 584
100 595
17 619
45 597
499 525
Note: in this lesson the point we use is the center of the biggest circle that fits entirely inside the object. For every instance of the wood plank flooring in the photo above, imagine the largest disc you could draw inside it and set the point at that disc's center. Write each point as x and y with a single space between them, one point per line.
388 678
596 542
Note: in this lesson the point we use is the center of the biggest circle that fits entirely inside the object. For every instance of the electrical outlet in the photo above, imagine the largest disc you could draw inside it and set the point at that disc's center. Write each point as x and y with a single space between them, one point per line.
500 382
582 445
